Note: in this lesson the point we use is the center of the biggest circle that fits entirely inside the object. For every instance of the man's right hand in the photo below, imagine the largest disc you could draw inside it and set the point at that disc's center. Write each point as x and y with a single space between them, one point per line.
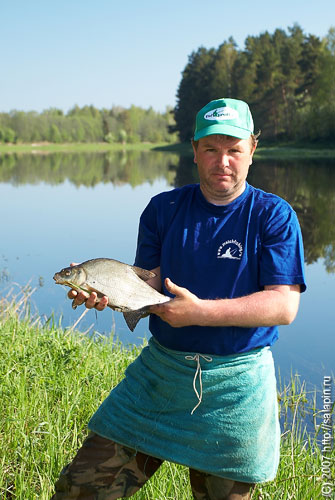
90 300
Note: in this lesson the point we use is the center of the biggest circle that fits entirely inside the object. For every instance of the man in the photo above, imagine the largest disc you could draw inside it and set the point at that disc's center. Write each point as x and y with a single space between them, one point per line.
203 393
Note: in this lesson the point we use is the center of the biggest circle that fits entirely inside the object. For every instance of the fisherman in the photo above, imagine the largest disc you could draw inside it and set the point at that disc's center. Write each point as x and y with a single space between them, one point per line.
203 392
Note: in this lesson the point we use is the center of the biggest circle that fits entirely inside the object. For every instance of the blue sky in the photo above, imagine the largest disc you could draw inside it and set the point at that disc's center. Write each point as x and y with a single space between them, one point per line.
107 52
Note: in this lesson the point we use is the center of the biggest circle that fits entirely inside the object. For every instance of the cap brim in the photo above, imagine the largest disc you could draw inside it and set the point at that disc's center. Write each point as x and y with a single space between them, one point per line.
223 129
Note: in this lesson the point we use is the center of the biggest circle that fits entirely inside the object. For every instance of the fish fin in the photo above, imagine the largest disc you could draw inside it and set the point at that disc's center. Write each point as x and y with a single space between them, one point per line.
144 274
117 309
133 317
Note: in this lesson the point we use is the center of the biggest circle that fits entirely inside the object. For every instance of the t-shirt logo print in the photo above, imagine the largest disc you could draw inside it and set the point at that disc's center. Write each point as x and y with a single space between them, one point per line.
230 249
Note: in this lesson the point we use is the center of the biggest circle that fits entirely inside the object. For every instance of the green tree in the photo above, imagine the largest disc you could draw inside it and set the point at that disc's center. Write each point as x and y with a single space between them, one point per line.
323 101
316 118
123 136
278 74
221 81
194 90
55 135
7 135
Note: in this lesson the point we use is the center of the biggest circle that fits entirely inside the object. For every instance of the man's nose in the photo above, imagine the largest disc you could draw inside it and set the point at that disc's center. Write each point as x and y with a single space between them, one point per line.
224 160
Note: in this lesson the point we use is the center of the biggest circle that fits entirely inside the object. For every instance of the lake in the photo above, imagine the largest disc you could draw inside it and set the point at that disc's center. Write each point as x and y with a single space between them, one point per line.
65 207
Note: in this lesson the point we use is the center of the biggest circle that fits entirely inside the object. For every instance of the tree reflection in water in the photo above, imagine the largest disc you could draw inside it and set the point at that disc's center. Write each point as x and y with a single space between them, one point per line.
309 185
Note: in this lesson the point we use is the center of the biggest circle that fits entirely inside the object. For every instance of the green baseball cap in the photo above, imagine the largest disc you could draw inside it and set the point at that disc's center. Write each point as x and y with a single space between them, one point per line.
226 117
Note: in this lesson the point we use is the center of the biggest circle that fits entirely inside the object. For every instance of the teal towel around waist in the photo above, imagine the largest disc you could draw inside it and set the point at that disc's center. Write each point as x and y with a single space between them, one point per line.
216 414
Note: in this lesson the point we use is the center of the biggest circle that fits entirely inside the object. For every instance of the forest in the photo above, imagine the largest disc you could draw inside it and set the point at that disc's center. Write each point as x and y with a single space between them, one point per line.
287 78
87 124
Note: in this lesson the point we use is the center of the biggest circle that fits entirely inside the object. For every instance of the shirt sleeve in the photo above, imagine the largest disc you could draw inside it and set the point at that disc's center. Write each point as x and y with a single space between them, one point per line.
282 256
148 250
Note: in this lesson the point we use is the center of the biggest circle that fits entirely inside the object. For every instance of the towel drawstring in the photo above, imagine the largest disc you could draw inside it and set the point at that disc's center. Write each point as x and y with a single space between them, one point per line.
198 372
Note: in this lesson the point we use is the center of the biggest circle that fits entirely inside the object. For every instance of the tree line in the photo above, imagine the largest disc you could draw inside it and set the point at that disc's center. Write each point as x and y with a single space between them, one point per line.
287 78
87 124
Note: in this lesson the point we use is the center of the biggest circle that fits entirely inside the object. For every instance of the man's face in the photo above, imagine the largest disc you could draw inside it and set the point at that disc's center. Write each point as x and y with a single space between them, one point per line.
223 164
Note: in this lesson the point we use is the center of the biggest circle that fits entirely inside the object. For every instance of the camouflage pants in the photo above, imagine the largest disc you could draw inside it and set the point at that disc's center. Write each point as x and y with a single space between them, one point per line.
104 470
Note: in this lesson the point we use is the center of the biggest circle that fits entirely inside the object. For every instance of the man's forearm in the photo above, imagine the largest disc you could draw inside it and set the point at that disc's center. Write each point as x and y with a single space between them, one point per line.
265 308
276 305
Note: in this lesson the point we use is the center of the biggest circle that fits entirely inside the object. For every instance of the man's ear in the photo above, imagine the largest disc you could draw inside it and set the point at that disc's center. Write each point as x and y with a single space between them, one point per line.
252 153
194 152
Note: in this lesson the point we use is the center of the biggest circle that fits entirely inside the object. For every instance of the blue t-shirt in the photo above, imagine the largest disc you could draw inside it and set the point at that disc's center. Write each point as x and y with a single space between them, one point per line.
220 252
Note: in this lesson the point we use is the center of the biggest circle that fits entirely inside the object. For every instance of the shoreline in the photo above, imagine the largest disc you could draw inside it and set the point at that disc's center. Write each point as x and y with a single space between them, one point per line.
284 151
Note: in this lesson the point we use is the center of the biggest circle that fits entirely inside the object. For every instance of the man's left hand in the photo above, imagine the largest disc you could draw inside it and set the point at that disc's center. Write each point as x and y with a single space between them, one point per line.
183 310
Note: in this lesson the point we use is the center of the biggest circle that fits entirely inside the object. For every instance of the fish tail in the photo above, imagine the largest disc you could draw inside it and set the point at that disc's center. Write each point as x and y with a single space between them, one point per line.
133 317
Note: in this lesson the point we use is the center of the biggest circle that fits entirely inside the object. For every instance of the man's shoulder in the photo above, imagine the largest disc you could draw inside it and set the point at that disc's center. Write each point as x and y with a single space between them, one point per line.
269 201
175 195
273 211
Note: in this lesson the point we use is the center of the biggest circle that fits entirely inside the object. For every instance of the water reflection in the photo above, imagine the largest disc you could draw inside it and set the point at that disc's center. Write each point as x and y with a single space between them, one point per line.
87 169
309 186
70 207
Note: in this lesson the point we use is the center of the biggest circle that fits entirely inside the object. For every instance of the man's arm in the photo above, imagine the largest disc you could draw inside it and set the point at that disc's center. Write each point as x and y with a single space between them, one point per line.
275 305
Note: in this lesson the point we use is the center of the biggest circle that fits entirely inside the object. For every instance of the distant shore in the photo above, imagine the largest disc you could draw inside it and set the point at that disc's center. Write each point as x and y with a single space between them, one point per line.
69 147
280 151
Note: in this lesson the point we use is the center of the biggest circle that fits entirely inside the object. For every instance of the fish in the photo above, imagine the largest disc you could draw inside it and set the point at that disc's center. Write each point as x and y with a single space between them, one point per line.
125 286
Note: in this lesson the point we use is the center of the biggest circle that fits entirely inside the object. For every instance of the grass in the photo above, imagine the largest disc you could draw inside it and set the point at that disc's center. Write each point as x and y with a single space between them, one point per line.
267 152
76 147
53 380
294 153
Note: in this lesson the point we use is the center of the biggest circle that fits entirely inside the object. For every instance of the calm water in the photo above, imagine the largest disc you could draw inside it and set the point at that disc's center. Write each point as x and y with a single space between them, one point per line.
60 208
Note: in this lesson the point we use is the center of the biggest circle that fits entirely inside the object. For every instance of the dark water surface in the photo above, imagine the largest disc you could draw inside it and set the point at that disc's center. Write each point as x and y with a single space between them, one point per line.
59 208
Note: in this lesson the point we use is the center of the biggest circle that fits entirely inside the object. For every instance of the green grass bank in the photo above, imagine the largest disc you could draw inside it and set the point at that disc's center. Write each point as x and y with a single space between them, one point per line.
73 147
53 380
270 151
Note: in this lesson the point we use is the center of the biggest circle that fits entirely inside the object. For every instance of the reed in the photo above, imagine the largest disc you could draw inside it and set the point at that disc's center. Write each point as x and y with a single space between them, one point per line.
53 380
